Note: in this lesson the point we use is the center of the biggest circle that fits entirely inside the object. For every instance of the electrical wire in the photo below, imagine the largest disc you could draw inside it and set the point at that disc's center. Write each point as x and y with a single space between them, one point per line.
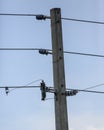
26 84
19 49
19 86
84 54
15 14
95 86
16 87
89 91
26 15
70 19
67 52
22 49
33 82
79 90
84 21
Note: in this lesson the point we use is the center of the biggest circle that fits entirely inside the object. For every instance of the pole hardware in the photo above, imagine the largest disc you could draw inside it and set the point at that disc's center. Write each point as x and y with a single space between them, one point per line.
44 52
6 90
41 17
44 90
70 93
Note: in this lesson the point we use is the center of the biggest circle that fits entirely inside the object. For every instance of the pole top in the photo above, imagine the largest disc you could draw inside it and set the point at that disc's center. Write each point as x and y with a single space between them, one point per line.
55 9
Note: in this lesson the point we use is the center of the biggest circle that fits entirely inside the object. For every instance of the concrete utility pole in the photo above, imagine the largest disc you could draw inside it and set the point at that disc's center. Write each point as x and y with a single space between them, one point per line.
61 117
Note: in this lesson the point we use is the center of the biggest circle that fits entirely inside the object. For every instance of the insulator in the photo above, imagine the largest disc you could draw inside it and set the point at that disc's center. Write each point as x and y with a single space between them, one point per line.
40 17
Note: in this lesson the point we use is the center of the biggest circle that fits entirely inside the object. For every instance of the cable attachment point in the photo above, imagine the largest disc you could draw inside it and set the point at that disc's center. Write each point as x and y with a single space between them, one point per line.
6 90
43 90
41 17
71 93
43 51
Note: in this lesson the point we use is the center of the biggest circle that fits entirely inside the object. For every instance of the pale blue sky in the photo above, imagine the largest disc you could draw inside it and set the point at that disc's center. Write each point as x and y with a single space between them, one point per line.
23 109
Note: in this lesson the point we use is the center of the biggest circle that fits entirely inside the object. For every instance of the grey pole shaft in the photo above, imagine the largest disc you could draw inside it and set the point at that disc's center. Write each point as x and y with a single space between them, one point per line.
61 117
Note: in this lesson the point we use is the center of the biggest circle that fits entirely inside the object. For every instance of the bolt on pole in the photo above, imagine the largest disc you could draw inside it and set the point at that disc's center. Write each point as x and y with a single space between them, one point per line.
61 117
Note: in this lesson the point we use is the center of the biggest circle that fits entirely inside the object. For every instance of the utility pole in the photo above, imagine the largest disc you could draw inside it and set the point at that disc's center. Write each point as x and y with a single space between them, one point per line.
61 117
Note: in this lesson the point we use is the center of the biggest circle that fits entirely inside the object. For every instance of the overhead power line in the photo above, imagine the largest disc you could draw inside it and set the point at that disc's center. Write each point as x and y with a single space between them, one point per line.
89 91
95 86
84 21
16 87
84 54
18 49
38 16
15 14
79 90
33 82
19 87
23 49
42 51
